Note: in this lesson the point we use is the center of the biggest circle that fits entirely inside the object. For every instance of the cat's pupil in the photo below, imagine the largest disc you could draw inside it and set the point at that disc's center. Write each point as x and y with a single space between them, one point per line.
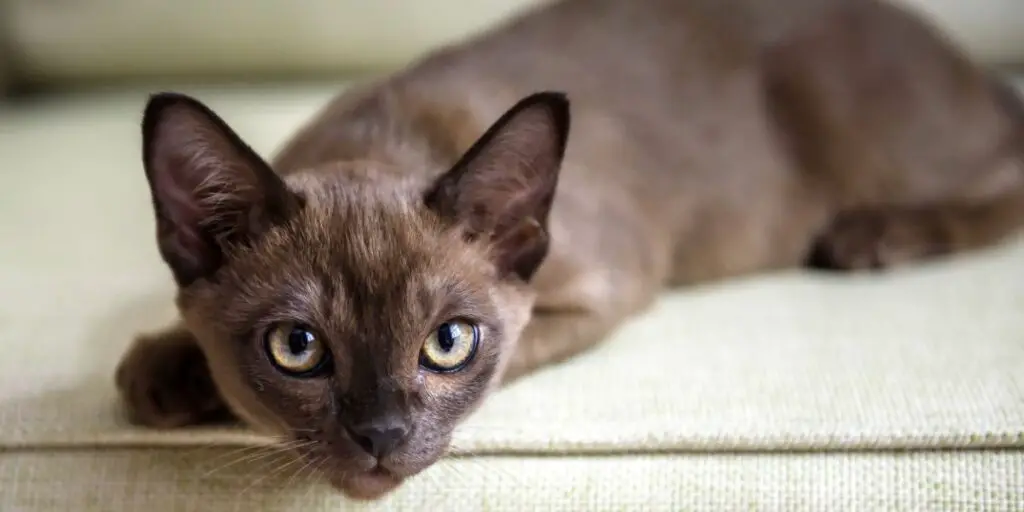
447 335
299 340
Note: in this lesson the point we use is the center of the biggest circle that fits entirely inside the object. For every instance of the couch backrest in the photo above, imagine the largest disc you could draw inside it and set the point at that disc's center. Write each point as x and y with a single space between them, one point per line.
74 40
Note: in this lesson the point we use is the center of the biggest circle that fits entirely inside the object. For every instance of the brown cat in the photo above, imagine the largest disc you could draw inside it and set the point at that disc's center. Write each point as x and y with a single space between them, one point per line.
432 235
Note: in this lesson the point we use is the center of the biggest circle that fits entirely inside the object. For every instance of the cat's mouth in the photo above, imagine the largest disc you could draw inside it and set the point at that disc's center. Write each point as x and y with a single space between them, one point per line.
366 485
361 476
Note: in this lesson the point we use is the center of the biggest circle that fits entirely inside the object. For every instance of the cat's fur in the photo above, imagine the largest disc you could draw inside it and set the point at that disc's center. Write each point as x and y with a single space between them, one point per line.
708 139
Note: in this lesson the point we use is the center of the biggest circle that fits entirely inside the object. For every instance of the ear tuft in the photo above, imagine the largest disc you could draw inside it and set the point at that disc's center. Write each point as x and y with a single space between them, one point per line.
210 190
502 189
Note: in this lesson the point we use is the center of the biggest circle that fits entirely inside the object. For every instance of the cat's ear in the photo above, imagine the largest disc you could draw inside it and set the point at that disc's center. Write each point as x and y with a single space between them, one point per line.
501 190
210 191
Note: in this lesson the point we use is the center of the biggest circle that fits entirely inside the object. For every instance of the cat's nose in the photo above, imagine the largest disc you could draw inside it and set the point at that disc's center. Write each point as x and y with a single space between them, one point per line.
379 436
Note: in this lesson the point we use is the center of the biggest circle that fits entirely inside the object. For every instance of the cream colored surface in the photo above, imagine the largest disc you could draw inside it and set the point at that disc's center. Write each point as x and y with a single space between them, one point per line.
97 39
824 381
107 38
992 30
205 480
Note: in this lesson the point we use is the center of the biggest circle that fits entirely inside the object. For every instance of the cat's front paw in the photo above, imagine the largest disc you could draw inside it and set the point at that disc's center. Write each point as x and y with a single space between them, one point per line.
164 382
877 239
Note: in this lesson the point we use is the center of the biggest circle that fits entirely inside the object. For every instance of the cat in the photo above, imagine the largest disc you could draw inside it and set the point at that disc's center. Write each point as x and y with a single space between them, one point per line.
505 202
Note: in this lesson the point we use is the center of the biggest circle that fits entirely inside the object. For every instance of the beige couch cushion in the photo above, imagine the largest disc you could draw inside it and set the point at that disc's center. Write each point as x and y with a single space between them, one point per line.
205 480
103 39
844 391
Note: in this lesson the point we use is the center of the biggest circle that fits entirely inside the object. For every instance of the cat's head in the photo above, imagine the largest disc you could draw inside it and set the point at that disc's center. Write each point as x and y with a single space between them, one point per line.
359 309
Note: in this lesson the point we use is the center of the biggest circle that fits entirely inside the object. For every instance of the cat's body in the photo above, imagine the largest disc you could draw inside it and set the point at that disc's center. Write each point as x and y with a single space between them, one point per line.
709 138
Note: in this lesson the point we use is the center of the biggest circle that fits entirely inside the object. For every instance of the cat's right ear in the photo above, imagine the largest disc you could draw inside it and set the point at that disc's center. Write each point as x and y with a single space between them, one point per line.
210 190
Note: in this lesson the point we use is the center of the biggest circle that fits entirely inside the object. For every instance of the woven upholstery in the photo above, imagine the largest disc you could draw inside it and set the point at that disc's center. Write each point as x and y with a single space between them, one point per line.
191 480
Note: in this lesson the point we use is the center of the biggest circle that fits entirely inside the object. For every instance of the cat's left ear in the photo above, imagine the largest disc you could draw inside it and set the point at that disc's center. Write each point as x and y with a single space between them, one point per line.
502 189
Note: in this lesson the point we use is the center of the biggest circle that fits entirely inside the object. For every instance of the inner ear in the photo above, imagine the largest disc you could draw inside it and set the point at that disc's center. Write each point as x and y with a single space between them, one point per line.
210 190
502 189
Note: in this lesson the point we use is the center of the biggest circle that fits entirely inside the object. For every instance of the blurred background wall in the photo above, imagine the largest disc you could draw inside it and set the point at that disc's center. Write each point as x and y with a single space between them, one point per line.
54 42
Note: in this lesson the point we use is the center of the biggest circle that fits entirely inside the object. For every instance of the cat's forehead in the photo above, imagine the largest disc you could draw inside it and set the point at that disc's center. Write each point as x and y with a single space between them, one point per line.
363 245
366 217
369 182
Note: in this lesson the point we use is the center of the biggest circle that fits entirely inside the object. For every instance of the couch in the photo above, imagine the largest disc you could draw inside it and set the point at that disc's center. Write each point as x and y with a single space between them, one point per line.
787 391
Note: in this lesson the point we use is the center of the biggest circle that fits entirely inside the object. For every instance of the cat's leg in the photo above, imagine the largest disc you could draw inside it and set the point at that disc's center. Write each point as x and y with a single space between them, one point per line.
553 337
165 382
585 290
887 237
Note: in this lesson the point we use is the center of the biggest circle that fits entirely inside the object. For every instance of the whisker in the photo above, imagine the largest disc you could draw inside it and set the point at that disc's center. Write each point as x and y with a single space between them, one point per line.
315 474
240 457
264 465
245 471
232 450
266 451
268 474
472 458
231 453
309 462
213 445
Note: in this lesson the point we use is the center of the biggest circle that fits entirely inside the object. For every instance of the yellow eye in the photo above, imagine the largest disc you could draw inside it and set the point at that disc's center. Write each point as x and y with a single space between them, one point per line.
295 350
450 347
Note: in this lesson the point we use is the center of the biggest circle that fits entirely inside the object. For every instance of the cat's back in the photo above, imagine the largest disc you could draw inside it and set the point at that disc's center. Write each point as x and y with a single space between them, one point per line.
655 85
657 82
667 106
677 131
625 57
670 138
641 76
590 46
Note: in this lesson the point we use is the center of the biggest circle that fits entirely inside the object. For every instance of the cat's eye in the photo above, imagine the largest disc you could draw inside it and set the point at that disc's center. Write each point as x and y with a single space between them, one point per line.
296 350
450 347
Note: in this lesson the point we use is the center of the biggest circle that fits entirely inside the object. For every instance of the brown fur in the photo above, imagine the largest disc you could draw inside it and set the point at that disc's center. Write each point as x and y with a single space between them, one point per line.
709 139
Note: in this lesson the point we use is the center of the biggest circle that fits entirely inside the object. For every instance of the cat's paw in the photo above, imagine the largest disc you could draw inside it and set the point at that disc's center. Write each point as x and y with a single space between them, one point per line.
164 382
877 239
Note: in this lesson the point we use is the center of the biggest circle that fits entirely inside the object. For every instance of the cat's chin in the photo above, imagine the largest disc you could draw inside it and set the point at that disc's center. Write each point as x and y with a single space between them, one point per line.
366 486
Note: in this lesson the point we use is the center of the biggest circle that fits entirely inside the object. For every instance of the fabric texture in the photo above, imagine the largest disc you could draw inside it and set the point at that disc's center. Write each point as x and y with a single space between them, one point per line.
203 480
790 391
